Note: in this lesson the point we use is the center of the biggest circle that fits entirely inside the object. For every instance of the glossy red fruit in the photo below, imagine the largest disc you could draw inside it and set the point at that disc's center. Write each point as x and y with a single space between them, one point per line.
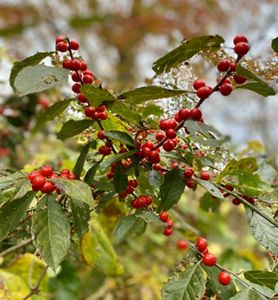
209 259
204 92
110 175
67 64
190 183
198 83
100 134
87 79
168 231
88 72
201 244
101 115
72 176
188 172
241 48
104 150
223 65
60 38
76 77
167 124
75 65
184 114
239 79
76 88
62 47
148 200
90 112
154 157
168 145
38 181
233 66
224 278
82 99
84 67
236 201
33 175
170 222
133 183
101 108
204 175
160 136
195 114
48 187
177 117
182 245
225 89
239 39
135 203
157 167
171 133
163 216
74 45
46 171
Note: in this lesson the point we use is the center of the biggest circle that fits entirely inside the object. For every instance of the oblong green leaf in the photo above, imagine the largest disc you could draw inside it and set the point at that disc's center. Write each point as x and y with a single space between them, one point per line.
120 136
78 167
117 157
81 216
210 187
96 95
33 79
51 230
72 128
268 279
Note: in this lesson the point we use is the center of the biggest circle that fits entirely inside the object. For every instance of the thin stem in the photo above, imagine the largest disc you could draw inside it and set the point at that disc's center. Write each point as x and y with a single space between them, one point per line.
15 247
252 207
36 289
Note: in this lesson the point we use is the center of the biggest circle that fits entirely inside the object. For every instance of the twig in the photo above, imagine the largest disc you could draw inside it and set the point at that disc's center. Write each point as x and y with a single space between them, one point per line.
36 289
16 247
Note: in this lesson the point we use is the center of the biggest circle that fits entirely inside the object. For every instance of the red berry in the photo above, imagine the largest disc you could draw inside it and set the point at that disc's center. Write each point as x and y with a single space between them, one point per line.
76 77
209 259
76 88
171 133
168 145
236 201
65 171
167 124
239 39
87 79
64 176
74 45
60 38
204 175
223 65
170 222
46 171
160 136
67 64
88 72
233 66
48 187
195 114
184 113
75 65
90 112
190 183
135 203
133 183
100 134
72 176
167 231
38 181
110 175
154 157
163 216
198 83
241 48
62 47
123 195
148 200
225 89
104 150
182 245
157 167
101 108
201 244
84 67
82 98
204 92
177 117
33 175
188 172
224 278
101 115
239 79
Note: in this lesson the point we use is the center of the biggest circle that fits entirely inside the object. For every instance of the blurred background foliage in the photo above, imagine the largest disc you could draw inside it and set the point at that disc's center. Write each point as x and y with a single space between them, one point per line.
120 39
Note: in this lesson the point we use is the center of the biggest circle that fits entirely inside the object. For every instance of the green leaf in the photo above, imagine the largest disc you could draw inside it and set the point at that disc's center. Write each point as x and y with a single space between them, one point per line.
78 167
72 128
120 181
274 44
259 86
209 203
152 110
39 78
51 230
120 136
146 93
188 285
125 112
155 178
223 292
98 251
263 231
29 61
12 212
210 187
248 294
81 216
89 177
96 95
50 113
268 279
117 157
129 226
75 189
185 51
149 217
22 187
8 181
172 188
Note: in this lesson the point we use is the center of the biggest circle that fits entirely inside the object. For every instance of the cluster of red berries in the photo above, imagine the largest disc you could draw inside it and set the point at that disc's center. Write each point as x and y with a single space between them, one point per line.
40 179
236 201
210 260
125 163
142 201
188 174
164 217
224 83
131 186
80 75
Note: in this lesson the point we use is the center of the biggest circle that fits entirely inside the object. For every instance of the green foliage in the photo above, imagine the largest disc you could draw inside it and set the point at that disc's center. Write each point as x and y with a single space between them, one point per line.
72 128
274 44
78 167
96 95
265 278
120 136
